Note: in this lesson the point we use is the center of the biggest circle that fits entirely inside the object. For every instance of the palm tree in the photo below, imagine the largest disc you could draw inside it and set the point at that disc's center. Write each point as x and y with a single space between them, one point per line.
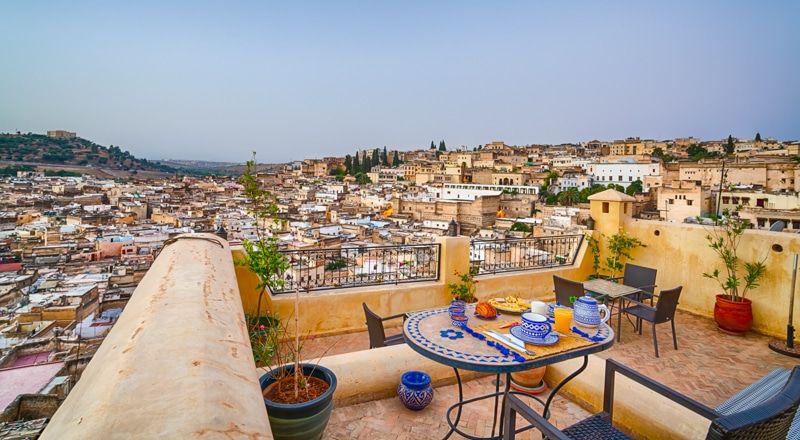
568 197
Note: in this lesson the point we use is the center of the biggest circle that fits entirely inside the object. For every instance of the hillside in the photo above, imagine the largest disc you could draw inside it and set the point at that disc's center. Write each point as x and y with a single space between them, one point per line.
39 149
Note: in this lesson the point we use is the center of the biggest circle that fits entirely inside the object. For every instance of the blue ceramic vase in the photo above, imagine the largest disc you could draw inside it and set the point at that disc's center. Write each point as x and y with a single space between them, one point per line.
415 390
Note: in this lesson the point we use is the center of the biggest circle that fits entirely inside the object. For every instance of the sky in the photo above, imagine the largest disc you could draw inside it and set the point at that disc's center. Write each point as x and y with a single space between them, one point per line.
293 80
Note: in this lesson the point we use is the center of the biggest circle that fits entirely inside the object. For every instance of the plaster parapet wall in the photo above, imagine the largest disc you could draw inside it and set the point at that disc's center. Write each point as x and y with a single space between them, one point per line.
368 375
177 363
681 254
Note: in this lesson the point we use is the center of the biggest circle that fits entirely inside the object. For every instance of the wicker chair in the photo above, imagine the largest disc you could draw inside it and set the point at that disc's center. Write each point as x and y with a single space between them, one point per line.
643 278
565 289
377 335
663 312
769 420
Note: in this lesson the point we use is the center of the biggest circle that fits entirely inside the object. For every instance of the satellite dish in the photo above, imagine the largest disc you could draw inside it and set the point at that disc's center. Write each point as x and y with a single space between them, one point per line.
778 226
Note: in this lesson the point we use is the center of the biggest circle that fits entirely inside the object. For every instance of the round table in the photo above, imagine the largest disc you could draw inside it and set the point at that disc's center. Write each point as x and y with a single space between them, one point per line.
431 334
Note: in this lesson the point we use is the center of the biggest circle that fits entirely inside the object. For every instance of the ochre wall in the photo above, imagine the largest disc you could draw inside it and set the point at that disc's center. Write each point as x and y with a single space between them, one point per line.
681 254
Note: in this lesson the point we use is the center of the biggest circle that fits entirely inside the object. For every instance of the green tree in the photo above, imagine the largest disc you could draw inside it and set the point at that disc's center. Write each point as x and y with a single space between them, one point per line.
375 158
552 175
348 164
442 146
356 165
634 188
384 157
363 179
262 255
520 227
568 197
396 159
614 186
758 137
433 146
730 147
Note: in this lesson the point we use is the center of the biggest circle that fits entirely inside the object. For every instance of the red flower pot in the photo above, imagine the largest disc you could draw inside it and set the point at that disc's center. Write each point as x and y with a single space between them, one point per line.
733 316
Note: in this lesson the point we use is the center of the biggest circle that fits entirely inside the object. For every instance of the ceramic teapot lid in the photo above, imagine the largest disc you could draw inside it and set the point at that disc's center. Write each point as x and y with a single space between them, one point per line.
587 299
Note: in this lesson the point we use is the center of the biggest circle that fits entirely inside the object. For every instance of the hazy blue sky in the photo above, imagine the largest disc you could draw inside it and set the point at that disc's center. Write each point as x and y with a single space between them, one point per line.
289 80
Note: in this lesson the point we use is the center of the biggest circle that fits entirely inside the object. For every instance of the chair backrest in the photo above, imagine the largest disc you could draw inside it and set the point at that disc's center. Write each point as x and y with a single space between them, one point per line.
565 289
377 336
667 304
640 276
769 420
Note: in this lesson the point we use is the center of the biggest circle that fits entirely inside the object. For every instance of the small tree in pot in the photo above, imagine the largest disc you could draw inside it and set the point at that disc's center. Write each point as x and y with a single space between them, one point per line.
733 311
298 396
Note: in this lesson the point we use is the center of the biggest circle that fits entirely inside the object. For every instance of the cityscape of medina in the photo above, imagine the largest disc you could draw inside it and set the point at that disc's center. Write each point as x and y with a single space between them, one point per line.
399 220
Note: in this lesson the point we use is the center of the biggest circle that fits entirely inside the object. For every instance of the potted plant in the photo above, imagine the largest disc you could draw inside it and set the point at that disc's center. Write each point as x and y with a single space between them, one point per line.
619 247
733 312
465 289
298 396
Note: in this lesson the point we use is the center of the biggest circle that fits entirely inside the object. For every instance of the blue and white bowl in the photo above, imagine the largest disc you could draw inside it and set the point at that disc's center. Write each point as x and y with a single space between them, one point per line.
535 326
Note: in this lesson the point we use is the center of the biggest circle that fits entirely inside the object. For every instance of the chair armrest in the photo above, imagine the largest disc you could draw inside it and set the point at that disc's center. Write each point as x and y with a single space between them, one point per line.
399 315
514 406
639 303
613 367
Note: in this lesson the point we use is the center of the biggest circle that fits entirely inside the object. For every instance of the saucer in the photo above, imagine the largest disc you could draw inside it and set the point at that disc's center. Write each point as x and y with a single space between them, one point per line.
550 339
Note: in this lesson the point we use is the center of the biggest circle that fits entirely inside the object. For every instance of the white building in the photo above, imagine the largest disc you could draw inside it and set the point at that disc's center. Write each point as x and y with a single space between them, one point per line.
622 173
571 180
471 191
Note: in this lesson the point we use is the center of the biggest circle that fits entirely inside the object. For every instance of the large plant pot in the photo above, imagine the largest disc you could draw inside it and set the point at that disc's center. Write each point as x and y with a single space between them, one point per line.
305 420
734 317
529 378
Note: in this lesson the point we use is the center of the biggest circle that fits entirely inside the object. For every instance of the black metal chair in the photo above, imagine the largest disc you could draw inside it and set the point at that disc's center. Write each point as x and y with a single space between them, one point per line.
769 420
643 278
566 289
377 334
664 311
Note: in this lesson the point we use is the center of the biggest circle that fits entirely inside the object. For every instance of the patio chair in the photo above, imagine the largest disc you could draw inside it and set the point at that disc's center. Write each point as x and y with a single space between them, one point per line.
664 311
377 334
565 289
643 278
770 419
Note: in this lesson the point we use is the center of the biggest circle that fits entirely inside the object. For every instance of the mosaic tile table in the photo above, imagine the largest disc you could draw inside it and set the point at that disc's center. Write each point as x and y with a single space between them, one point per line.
431 334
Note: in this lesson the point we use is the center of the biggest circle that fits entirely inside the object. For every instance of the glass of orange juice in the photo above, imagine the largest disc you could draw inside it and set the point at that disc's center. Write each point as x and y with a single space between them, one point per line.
563 320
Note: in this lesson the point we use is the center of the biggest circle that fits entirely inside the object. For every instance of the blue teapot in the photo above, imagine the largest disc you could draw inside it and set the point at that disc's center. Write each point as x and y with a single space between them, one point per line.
587 311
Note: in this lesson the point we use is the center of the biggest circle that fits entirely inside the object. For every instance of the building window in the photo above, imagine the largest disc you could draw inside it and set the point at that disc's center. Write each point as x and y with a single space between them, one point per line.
605 207
689 202
671 201
624 208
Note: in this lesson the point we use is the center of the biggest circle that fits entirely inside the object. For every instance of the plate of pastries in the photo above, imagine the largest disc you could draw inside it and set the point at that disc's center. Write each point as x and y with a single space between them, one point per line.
484 310
510 304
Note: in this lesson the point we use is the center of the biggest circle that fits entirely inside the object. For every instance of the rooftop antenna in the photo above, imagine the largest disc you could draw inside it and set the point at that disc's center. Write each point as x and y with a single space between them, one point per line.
787 347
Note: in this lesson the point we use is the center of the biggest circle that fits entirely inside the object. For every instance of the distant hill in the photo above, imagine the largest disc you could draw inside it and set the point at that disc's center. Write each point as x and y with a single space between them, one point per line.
40 149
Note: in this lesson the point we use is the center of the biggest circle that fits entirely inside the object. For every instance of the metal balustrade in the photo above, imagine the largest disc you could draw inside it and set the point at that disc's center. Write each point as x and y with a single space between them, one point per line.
332 268
514 254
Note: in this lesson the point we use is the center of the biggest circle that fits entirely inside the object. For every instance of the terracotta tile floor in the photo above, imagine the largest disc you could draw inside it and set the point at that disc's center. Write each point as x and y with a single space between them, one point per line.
709 366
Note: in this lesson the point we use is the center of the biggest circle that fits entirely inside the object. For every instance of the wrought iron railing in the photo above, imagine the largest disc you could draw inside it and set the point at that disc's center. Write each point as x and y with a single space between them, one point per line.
513 254
332 268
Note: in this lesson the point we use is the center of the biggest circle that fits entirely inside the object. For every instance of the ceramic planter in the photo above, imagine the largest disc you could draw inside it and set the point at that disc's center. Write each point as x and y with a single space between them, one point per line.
733 316
415 390
529 378
305 420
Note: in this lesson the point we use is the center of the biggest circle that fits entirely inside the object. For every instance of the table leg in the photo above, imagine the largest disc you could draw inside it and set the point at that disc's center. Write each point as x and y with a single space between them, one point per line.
503 408
496 400
460 401
546 412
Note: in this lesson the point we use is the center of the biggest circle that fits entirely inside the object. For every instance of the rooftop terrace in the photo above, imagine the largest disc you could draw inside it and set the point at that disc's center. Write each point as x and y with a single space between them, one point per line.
178 361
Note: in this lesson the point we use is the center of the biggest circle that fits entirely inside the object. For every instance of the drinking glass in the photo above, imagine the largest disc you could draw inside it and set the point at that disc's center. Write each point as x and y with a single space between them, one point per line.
563 319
